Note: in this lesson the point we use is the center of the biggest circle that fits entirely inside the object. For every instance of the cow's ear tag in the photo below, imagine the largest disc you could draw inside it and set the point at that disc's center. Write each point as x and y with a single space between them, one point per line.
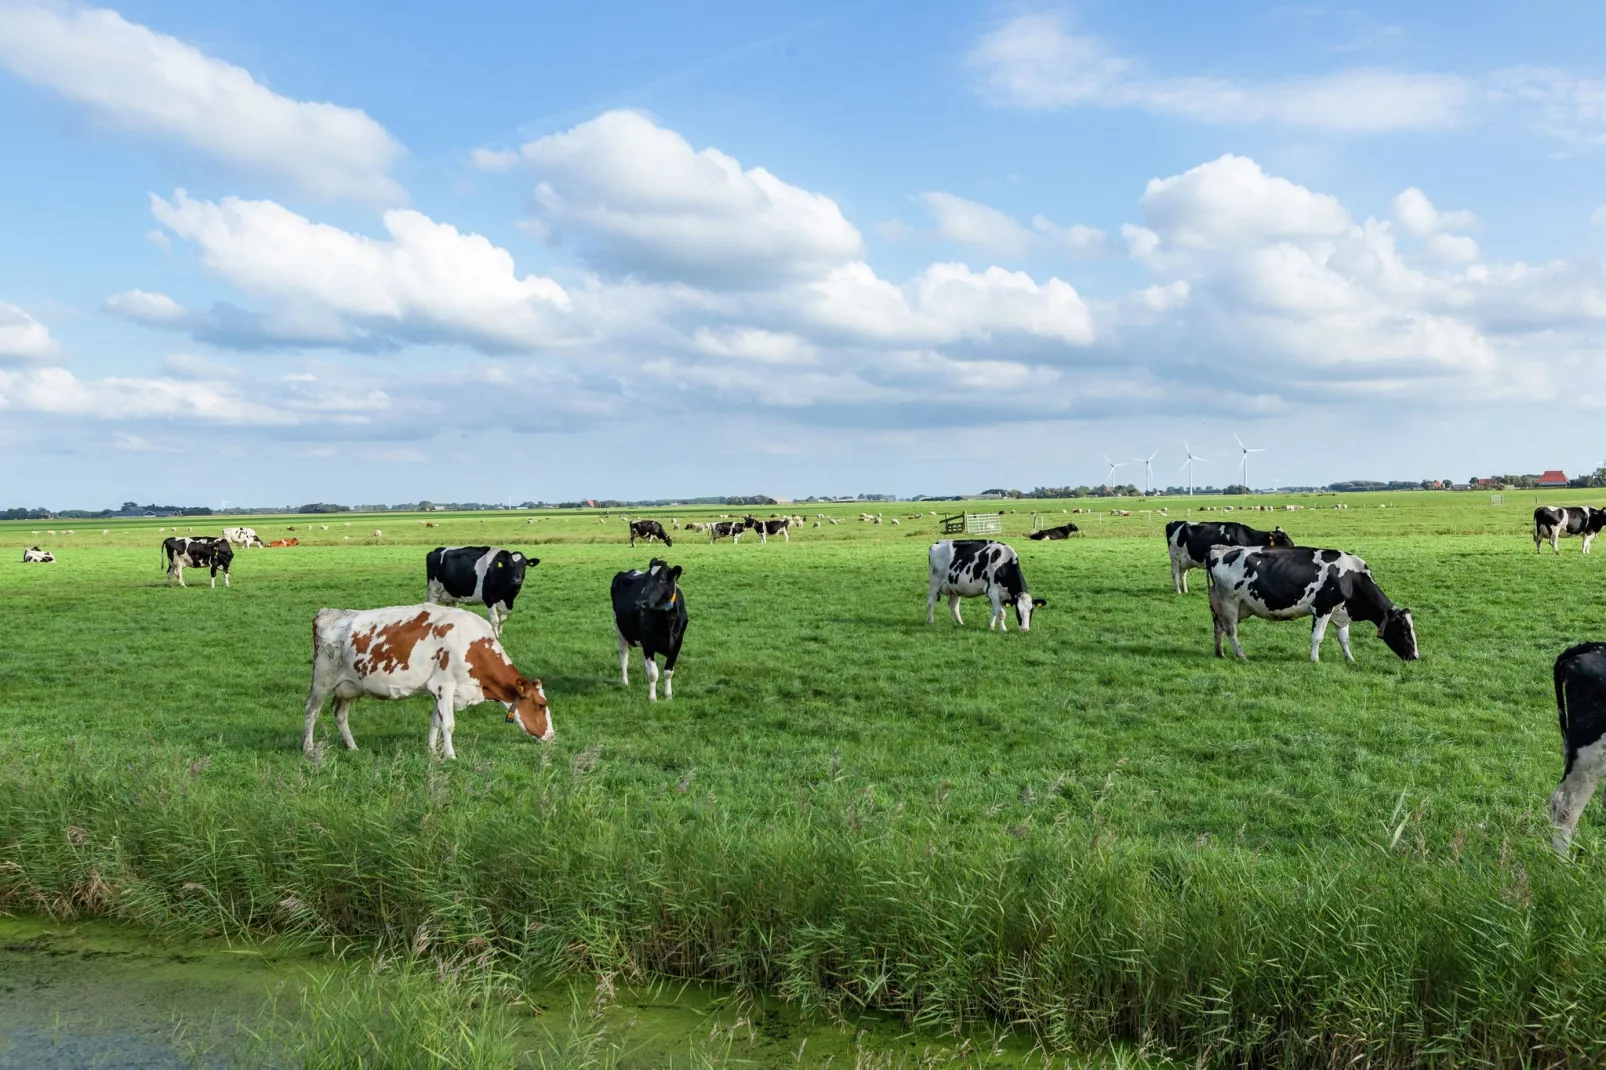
672 598
499 564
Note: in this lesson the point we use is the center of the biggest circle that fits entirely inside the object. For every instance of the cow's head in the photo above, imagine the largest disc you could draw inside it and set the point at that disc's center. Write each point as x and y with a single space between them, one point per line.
1279 537
1024 604
1398 631
529 710
658 592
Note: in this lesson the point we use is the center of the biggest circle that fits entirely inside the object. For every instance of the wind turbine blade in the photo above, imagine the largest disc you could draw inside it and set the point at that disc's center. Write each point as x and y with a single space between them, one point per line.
1184 464
1238 440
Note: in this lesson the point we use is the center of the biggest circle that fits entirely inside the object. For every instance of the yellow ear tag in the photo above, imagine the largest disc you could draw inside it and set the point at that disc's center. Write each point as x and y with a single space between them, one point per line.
673 597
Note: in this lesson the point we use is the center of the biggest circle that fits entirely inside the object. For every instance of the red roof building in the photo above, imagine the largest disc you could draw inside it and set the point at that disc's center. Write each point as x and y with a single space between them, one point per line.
1553 478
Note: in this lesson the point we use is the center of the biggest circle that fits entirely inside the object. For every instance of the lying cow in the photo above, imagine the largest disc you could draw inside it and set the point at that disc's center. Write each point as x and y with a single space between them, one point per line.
722 528
647 530
35 555
486 576
1190 543
1285 583
403 651
766 528
1062 532
650 612
1556 522
182 552
1580 678
281 543
967 568
242 537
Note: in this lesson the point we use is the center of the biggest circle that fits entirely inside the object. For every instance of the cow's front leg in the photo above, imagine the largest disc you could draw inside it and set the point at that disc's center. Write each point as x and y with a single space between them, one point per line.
1589 537
650 667
1555 540
1343 641
997 620
1318 631
624 660
342 715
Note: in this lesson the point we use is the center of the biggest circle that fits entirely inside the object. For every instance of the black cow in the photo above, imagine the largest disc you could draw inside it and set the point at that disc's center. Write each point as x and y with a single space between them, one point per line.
1285 583
648 529
182 552
650 612
766 528
1190 544
719 529
1062 532
1555 522
1580 676
483 575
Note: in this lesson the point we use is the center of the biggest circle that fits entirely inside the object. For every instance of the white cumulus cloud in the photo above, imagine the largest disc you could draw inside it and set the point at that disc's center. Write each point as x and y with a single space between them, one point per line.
425 281
136 79
641 200
22 337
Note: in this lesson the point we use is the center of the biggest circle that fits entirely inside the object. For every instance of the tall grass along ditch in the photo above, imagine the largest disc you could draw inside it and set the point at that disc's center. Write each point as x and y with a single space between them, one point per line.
1400 952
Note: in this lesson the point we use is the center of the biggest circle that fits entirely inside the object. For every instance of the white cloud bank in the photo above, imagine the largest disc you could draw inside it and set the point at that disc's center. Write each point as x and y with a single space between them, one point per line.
136 79
22 337
1036 61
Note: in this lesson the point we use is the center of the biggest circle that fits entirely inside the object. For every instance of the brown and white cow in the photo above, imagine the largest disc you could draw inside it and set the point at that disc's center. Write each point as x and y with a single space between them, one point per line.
402 651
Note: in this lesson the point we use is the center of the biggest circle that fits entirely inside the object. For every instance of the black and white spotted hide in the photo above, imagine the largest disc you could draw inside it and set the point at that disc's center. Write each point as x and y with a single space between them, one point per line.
972 568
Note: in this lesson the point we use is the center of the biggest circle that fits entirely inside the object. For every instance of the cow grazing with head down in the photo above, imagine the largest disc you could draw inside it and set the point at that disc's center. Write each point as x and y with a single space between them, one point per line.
1580 680
35 555
648 530
403 651
968 568
1062 532
650 612
1556 522
486 576
182 552
1190 542
1285 583
242 537
766 528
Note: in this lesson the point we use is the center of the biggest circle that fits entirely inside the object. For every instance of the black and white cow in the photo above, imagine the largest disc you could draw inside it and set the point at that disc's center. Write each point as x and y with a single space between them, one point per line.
648 529
488 576
1281 583
243 537
1556 522
967 568
1062 532
766 528
1580 676
650 612
1190 543
719 529
182 552
34 554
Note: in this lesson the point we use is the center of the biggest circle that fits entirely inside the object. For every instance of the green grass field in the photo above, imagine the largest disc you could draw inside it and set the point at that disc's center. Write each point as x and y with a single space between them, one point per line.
1096 829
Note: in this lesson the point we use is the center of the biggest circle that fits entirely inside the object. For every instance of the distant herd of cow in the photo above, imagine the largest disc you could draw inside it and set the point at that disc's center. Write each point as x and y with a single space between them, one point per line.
450 654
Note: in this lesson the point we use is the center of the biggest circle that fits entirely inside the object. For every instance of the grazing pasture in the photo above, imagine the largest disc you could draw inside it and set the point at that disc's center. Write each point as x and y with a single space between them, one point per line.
1096 829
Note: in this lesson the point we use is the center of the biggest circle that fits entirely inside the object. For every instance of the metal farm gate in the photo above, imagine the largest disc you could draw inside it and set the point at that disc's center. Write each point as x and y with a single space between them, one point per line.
973 524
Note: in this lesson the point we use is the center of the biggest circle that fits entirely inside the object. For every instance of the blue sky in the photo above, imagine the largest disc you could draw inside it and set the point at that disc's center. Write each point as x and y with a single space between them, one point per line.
370 252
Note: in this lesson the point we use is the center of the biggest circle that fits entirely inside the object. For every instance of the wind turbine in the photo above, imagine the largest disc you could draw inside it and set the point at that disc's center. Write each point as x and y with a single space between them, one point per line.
1244 464
224 506
1188 464
1148 470
1109 480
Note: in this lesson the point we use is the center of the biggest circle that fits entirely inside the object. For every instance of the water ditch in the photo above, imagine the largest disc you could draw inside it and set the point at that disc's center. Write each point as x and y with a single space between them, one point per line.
95 994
